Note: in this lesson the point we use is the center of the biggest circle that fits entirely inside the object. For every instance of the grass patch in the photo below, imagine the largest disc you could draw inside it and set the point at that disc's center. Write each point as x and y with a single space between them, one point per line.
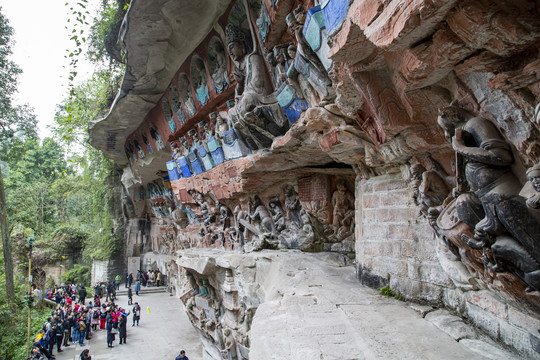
388 292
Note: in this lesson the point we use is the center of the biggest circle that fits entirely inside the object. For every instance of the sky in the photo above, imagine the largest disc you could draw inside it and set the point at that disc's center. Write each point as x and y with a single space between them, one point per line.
40 45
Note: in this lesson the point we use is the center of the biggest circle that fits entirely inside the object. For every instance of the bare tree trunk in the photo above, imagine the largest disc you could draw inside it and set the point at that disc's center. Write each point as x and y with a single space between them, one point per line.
6 245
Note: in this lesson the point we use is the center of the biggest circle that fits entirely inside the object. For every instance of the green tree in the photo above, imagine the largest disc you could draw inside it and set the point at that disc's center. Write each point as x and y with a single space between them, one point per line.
15 122
31 203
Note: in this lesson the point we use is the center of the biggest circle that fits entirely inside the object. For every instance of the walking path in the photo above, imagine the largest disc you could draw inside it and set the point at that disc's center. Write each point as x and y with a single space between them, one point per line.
160 336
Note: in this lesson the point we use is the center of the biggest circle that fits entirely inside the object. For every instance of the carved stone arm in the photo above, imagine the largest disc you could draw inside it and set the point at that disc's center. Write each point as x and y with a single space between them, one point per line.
488 155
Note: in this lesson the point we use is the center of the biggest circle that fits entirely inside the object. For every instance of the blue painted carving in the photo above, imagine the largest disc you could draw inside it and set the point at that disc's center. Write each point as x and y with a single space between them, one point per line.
198 79
168 114
334 12
291 104
154 133
312 27
195 162
172 169
185 92
132 151
181 115
316 35
216 150
263 24
140 151
183 163
206 158
202 94
146 142
233 147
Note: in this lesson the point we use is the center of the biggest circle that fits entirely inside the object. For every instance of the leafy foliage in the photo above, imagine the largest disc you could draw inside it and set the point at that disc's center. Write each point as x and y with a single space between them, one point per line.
59 189
104 46
80 274
13 320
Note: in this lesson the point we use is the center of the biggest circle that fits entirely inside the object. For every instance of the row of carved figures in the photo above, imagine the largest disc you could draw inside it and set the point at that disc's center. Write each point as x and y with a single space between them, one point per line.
262 108
135 151
210 144
277 224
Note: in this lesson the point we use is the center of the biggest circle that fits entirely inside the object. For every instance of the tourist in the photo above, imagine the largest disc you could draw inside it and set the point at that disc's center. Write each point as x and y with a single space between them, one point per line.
130 296
158 278
85 355
36 355
96 312
126 278
97 302
102 317
137 287
82 294
59 333
109 290
115 314
144 278
130 279
117 280
88 321
111 333
97 290
67 328
182 356
39 343
49 339
122 330
82 330
136 314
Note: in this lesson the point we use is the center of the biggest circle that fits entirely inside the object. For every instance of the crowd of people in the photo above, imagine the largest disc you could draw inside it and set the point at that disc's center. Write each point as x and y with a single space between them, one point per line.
74 320
144 278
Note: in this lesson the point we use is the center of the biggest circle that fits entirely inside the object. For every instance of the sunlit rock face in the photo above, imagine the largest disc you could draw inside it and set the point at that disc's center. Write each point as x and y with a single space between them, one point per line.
399 136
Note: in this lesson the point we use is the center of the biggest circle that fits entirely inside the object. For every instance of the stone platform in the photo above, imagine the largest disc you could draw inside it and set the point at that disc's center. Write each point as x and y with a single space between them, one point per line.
312 307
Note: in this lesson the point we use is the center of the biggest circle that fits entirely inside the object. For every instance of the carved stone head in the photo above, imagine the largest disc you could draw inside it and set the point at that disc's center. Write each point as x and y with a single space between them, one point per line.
236 42
533 175
450 118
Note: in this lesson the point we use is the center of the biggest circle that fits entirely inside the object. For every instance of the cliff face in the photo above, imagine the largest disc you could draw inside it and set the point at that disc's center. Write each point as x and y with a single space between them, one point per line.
400 135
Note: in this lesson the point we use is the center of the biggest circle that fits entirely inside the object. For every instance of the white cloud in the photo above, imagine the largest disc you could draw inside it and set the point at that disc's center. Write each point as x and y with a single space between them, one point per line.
41 41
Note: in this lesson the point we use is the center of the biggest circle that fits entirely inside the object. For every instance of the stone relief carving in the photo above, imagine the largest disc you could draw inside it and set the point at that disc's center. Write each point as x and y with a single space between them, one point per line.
306 61
156 136
184 86
167 112
343 213
217 65
491 217
198 79
431 189
216 310
256 114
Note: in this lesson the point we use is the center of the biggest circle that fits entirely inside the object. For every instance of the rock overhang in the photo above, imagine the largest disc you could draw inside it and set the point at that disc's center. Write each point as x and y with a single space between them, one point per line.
157 36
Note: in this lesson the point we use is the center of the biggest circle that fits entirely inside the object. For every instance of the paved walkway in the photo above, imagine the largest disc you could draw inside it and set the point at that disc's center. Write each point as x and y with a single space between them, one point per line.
160 336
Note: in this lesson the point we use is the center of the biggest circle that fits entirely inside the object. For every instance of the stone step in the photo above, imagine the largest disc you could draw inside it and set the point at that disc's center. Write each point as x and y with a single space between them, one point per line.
144 290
